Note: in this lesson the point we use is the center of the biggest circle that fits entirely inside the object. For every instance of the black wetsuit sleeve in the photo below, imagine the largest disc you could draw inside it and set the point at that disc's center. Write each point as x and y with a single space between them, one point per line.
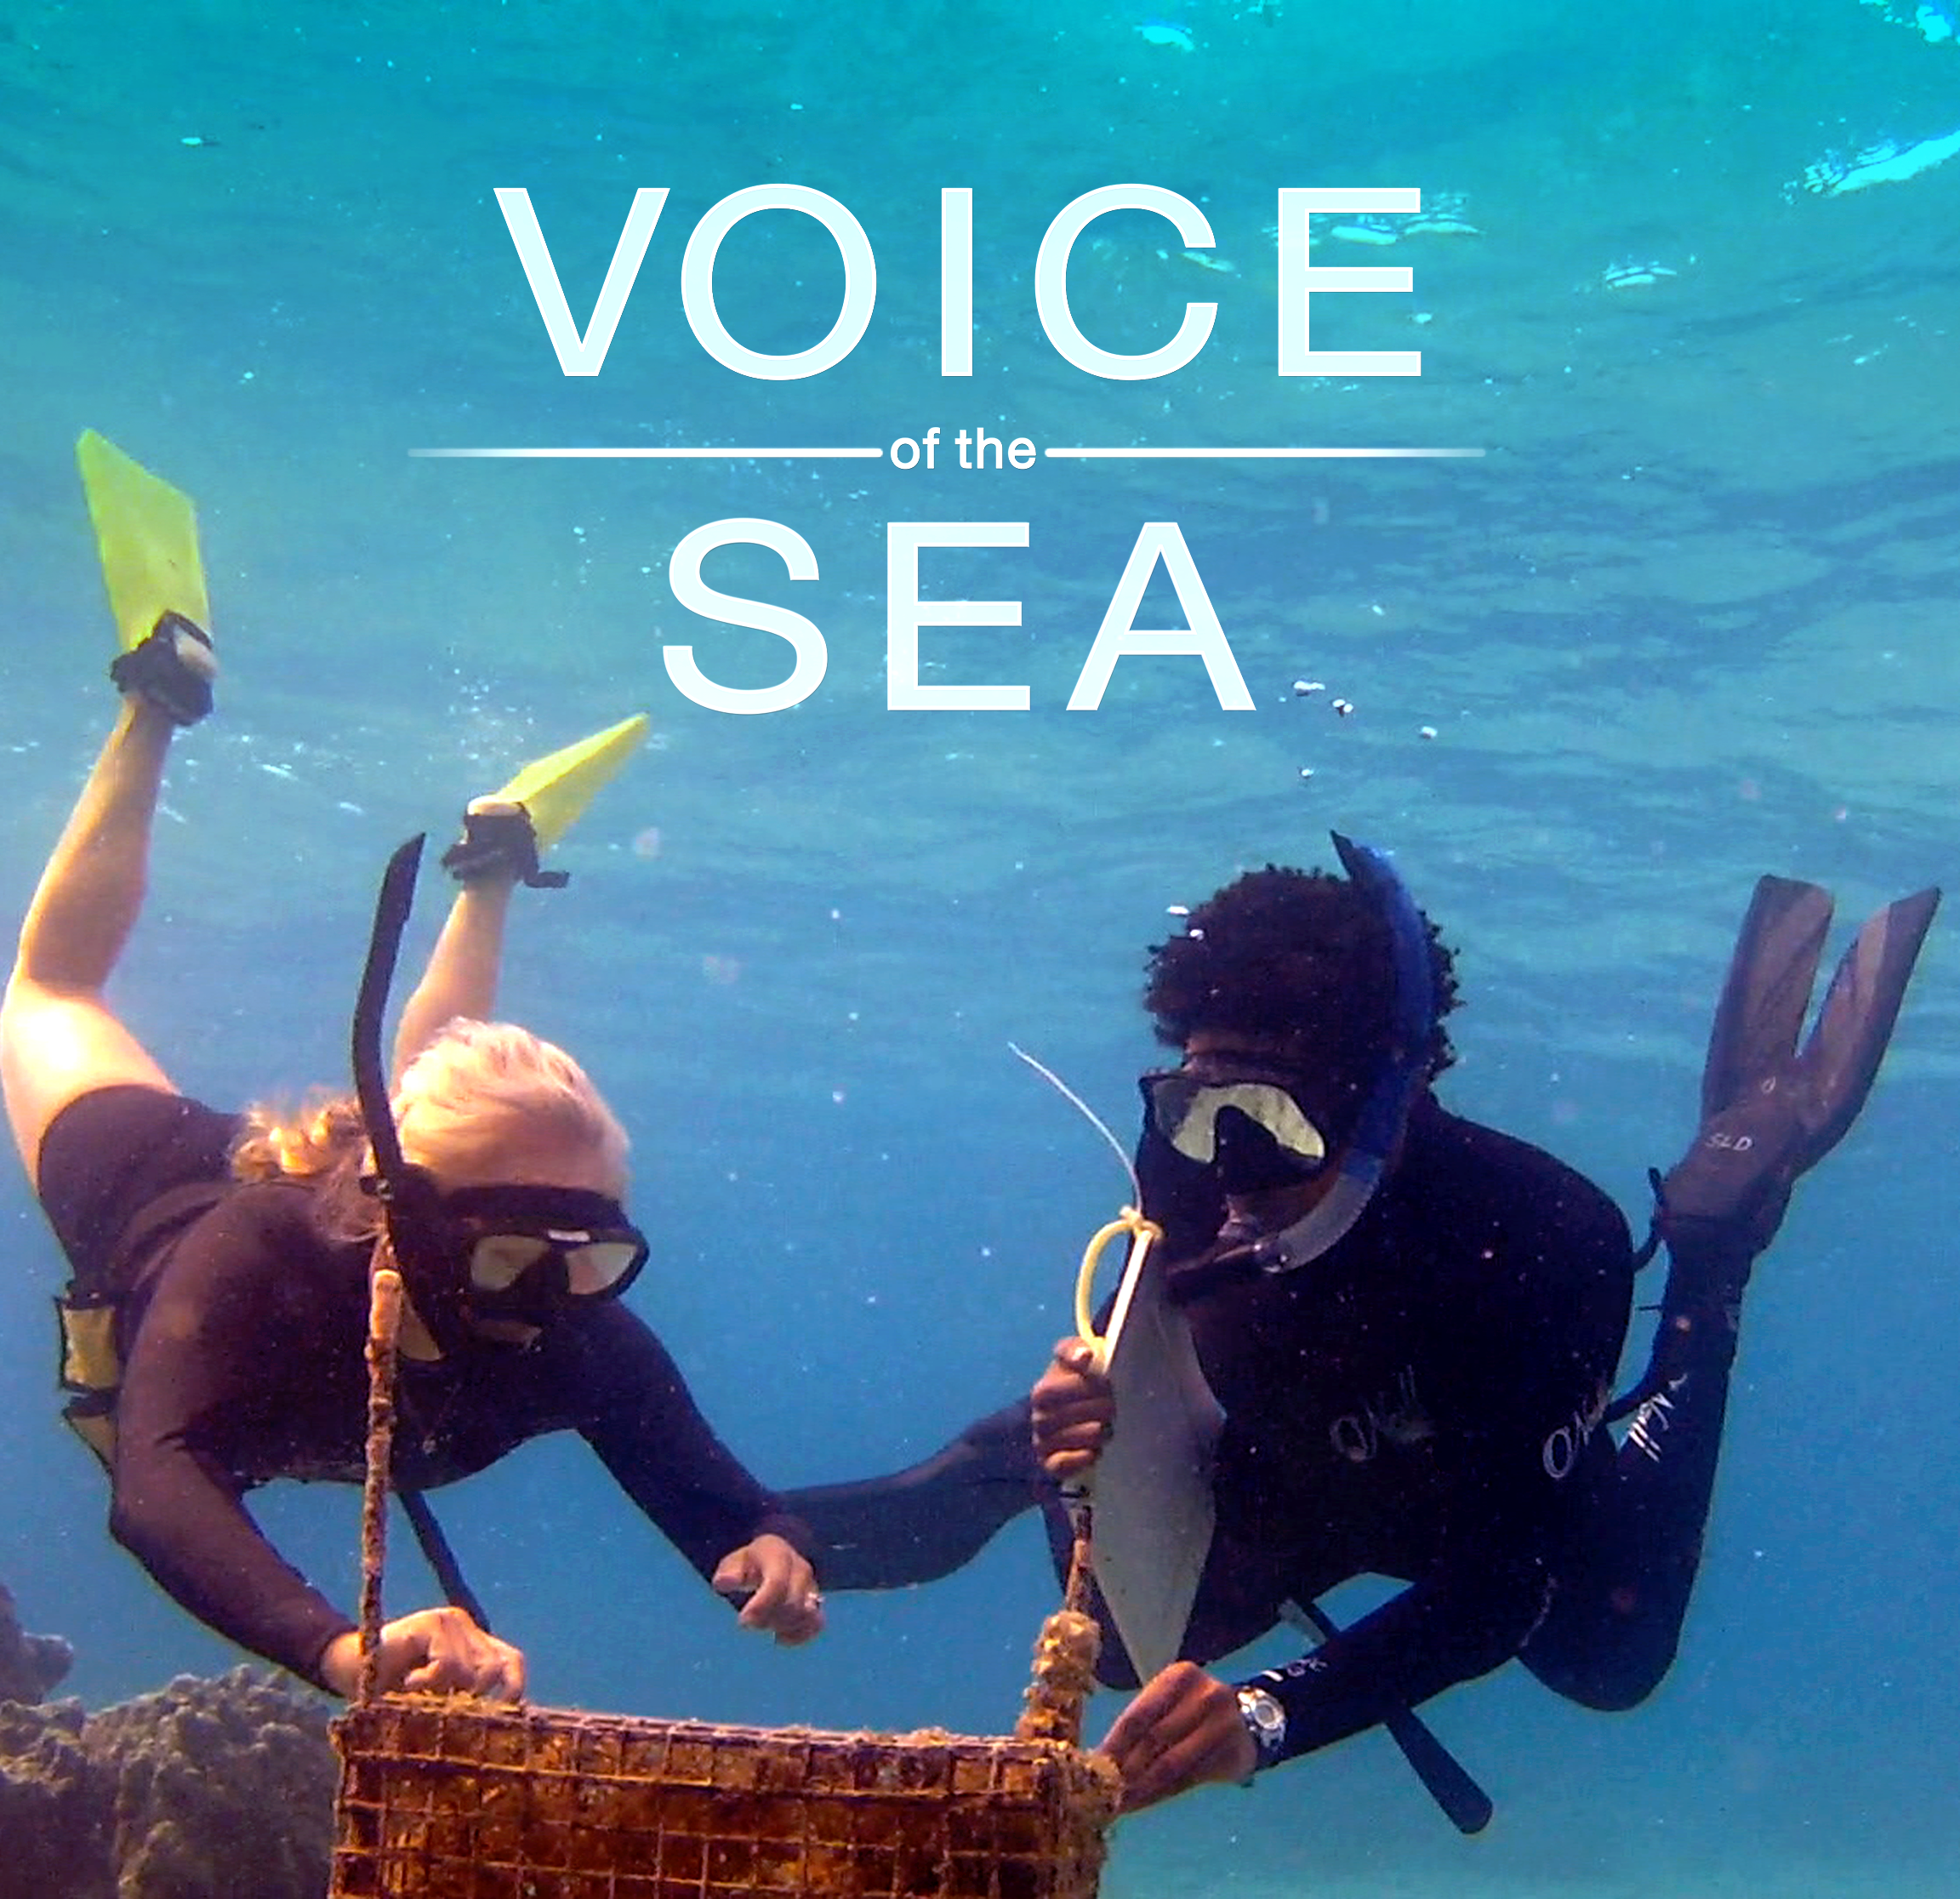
923 1522
227 1328
1453 1627
639 1416
1521 1386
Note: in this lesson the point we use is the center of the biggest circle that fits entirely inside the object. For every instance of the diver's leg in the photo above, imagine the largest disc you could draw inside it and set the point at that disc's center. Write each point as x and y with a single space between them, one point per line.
496 852
461 976
1615 1623
58 1037
922 1523
1770 1115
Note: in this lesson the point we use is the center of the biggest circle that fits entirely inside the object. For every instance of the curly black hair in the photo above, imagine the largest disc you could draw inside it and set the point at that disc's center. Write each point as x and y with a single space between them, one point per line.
1303 955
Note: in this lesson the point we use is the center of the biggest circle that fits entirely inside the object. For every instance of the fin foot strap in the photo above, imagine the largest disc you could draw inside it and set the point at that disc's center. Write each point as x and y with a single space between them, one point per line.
172 667
500 844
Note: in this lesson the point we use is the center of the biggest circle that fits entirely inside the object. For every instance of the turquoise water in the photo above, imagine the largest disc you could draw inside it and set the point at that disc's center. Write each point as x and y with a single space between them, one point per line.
1686 620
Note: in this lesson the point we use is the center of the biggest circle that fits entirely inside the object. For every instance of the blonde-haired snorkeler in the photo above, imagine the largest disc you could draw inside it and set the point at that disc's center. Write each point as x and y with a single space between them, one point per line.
216 1316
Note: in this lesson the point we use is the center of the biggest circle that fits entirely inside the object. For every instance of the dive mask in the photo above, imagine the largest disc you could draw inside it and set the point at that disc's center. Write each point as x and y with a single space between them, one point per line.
1244 1120
556 1244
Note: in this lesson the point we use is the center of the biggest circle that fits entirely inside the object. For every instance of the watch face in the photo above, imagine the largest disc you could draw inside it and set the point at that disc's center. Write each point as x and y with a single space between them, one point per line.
1264 1718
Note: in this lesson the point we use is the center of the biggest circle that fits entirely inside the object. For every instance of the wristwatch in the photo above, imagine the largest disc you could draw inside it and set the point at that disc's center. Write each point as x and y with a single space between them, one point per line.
1265 1721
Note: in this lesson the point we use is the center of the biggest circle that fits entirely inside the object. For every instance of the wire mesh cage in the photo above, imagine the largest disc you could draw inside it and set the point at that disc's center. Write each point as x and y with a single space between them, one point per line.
448 1798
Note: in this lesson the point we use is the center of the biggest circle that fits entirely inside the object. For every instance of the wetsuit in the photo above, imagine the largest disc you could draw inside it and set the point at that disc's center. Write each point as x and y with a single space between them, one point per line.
1424 1403
241 1330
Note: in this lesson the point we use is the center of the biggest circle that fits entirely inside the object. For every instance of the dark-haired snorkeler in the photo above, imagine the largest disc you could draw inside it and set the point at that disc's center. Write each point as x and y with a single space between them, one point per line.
214 1323
1412 1323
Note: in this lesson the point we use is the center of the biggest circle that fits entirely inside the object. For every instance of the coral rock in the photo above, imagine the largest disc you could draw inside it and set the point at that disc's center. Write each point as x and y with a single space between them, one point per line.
54 1807
207 1790
212 1777
30 1665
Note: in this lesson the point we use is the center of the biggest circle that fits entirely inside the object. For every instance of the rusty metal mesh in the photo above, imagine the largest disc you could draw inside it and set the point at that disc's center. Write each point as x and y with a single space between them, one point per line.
448 1798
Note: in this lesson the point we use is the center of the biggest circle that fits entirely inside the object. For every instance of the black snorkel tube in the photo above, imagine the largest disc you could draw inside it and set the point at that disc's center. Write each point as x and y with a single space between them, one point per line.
411 1206
1400 1079
392 905
1404 1069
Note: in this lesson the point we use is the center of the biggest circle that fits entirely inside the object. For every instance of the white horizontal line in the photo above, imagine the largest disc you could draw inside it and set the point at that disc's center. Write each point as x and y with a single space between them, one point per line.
878 454
646 454
1263 454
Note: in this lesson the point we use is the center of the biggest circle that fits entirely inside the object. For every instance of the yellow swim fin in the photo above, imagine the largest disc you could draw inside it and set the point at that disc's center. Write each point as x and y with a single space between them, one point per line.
556 788
147 532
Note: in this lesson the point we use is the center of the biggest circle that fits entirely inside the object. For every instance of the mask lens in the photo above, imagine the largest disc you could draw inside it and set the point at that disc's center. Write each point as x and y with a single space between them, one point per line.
600 1266
498 1260
1247 1157
1187 1110
540 1246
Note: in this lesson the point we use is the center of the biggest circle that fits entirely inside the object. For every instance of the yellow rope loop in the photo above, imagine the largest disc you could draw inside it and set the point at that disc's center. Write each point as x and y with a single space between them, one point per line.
1142 1234
1065 1673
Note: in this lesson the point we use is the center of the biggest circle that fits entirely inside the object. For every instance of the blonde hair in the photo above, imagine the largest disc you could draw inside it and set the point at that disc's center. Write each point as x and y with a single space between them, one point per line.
485 1089
323 1142
479 1090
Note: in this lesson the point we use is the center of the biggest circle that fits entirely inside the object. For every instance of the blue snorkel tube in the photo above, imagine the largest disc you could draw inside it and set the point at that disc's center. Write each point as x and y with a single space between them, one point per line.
1402 1077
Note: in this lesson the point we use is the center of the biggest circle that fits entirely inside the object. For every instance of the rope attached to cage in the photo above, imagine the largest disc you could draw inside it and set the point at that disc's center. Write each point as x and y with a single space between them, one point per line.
1071 1638
1065 1652
384 1335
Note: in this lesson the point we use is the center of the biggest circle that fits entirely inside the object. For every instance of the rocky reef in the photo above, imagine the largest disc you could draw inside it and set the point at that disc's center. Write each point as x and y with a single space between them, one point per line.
30 1665
208 1789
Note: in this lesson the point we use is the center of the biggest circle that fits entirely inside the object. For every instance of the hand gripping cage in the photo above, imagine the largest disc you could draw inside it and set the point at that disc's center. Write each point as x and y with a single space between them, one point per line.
447 1797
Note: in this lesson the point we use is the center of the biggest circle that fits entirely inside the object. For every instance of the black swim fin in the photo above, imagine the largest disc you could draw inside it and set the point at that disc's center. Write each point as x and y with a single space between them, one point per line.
1770 1113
